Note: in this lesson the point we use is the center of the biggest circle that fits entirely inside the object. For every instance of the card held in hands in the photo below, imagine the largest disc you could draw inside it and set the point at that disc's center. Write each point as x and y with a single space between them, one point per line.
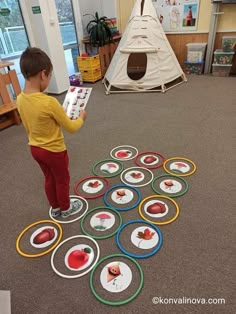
76 99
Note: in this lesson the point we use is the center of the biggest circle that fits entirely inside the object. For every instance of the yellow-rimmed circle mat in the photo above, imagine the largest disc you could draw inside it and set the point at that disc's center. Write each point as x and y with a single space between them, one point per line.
40 236
180 166
159 209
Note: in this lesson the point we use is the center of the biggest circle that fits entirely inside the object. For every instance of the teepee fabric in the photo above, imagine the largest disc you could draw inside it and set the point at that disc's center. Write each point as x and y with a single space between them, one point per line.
144 34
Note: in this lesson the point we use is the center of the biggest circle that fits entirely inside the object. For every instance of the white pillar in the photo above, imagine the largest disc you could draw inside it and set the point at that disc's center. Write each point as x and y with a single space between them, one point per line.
44 32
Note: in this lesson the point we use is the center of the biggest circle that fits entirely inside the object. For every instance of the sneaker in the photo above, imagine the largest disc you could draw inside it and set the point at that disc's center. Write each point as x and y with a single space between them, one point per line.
75 207
56 212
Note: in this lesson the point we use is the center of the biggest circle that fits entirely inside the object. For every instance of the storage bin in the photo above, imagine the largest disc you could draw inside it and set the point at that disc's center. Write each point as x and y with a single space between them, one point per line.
221 69
76 79
91 75
196 68
229 43
223 57
196 52
88 63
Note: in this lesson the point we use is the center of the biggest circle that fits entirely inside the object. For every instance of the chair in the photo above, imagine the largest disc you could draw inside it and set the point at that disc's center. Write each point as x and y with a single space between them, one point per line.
8 110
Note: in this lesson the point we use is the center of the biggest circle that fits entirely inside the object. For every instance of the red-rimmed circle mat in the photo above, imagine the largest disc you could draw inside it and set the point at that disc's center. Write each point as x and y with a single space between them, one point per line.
35 241
150 160
91 187
159 209
124 152
180 166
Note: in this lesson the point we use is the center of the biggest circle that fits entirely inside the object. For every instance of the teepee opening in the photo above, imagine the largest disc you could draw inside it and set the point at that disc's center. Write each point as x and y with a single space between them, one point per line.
137 66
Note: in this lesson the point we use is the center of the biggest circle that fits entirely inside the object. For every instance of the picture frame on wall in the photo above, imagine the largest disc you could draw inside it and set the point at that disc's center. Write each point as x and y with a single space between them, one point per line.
177 15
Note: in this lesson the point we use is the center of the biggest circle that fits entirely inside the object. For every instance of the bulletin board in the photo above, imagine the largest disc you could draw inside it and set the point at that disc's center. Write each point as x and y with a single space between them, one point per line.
177 15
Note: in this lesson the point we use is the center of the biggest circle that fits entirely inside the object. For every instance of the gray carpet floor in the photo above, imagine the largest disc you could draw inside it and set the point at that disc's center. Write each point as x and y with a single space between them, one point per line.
195 120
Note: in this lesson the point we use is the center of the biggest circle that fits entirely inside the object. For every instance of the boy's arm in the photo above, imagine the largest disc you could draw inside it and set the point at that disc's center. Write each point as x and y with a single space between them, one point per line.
63 120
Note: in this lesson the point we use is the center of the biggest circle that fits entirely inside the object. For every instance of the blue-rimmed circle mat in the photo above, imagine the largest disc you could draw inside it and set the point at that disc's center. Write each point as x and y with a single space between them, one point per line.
136 176
122 197
159 209
170 185
112 279
75 256
180 166
108 168
77 201
124 152
150 160
145 239
101 222
91 187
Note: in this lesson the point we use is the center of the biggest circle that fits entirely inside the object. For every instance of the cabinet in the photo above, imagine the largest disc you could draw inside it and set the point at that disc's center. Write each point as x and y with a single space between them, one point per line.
8 110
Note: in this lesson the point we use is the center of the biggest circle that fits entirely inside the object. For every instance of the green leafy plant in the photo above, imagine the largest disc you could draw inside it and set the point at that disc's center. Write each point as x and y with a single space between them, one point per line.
99 30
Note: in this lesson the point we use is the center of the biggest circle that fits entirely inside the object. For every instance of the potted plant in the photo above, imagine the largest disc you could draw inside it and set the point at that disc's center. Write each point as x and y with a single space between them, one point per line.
99 31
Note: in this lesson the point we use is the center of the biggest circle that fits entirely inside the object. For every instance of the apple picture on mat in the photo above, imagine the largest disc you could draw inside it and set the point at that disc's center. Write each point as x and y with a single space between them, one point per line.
116 277
79 257
123 154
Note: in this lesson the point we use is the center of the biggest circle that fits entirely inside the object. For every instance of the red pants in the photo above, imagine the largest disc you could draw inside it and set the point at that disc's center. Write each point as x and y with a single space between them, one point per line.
57 178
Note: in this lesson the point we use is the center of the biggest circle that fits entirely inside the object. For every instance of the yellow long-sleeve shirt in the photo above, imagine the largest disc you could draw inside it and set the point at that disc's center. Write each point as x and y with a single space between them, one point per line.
43 117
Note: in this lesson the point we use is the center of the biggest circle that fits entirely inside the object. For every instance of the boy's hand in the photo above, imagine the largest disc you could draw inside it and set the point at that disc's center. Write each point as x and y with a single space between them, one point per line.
83 114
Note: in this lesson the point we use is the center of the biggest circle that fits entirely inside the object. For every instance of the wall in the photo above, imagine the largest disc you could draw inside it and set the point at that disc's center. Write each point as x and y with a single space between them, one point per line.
226 26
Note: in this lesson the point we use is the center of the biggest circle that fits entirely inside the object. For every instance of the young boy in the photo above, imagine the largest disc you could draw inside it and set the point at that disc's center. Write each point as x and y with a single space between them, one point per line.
43 117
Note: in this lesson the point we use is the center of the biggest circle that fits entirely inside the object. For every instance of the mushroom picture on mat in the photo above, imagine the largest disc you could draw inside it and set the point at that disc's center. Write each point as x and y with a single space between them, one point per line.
102 221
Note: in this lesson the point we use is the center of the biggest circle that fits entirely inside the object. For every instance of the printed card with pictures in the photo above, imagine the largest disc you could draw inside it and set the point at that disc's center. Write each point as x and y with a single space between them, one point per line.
76 99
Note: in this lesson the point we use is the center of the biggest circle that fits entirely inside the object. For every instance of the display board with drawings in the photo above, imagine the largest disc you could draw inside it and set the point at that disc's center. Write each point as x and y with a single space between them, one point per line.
177 15
76 99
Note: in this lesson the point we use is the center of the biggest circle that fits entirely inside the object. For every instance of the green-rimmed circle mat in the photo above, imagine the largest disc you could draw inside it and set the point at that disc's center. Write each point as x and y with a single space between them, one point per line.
170 185
159 209
124 152
180 166
101 222
137 176
115 286
108 168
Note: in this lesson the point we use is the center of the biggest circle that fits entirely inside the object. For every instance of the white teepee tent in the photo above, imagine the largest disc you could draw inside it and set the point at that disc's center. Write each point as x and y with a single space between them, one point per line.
144 60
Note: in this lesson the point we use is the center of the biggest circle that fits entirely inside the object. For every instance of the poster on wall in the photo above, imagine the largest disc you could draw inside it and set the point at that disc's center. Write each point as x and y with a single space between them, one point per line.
177 15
